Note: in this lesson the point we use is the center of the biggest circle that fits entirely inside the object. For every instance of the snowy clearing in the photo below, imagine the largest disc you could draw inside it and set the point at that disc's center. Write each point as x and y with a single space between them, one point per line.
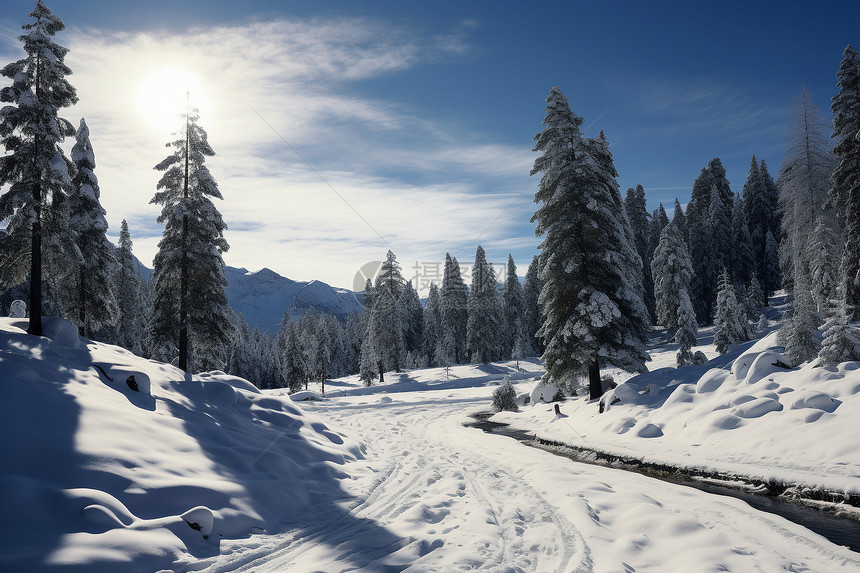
103 478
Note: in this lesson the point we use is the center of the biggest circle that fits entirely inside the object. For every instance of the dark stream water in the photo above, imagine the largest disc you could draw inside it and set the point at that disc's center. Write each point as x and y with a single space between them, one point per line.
840 530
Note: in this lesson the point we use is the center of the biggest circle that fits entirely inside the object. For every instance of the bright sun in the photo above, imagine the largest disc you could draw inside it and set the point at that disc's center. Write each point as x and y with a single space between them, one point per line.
166 93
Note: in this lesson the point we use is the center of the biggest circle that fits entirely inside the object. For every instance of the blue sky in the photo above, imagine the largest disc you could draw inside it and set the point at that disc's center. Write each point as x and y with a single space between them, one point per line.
347 128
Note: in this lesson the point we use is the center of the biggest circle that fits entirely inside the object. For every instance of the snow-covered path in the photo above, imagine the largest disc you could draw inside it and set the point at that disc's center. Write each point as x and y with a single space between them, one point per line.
432 495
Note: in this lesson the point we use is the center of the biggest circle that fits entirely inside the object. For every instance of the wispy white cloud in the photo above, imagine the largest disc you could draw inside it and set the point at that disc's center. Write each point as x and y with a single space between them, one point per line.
269 92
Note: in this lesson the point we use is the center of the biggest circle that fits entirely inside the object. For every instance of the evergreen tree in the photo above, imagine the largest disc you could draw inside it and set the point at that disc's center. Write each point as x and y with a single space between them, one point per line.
433 326
34 167
841 341
241 357
824 263
92 299
754 299
672 271
532 315
484 324
743 264
384 329
367 360
659 220
411 319
730 317
758 214
687 330
513 308
680 221
592 293
845 187
131 296
798 333
637 215
709 252
188 266
455 313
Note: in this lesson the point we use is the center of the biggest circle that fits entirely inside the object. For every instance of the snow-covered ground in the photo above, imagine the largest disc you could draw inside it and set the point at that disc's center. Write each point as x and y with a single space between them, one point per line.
97 477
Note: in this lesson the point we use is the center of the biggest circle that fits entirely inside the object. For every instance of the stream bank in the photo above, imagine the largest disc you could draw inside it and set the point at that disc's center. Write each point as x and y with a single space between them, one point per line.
820 511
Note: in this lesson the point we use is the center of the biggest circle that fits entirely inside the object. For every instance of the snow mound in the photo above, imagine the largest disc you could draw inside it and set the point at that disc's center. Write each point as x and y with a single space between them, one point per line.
749 414
543 393
108 475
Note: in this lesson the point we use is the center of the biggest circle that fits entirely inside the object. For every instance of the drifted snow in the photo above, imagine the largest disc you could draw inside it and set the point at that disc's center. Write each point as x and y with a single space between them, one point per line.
105 479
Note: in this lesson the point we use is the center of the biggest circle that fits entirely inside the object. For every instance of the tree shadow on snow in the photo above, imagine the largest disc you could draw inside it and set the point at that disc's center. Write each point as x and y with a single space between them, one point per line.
39 419
292 483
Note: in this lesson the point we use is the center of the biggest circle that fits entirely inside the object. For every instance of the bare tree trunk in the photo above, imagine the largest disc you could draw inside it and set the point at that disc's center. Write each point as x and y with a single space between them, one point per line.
36 266
595 389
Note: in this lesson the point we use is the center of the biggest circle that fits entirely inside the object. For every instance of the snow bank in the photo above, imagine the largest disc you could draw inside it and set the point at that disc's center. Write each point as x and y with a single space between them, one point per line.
105 475
751 416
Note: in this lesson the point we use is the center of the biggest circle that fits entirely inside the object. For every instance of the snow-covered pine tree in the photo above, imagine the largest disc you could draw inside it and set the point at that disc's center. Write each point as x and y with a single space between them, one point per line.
824 262
292 361
672 271
754 300
680 220
241 355
708 251
34 167
353 333
132 296
592 293
411 319
455 312
743 263
798 333
384 329
637 214
730 317
485 323
189 303
513 308
367 359
845 187
433 326
687 330
532 315
92 302
658 222
757 212
841 342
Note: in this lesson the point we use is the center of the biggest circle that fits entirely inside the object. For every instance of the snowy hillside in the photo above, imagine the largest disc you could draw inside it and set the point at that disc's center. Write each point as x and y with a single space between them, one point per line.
101 477
263 296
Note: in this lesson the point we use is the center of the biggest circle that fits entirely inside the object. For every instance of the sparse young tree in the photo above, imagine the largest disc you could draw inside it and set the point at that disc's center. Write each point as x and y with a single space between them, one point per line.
188 276
803 184
592 289
34 167
91 299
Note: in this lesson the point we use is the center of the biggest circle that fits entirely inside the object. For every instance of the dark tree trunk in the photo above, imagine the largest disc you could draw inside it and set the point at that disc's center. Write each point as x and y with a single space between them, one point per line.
381 372
82 302
183 281
36 267
595 389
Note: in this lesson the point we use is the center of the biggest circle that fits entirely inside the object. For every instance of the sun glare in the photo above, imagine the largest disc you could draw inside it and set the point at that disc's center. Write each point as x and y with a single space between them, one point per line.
166 93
